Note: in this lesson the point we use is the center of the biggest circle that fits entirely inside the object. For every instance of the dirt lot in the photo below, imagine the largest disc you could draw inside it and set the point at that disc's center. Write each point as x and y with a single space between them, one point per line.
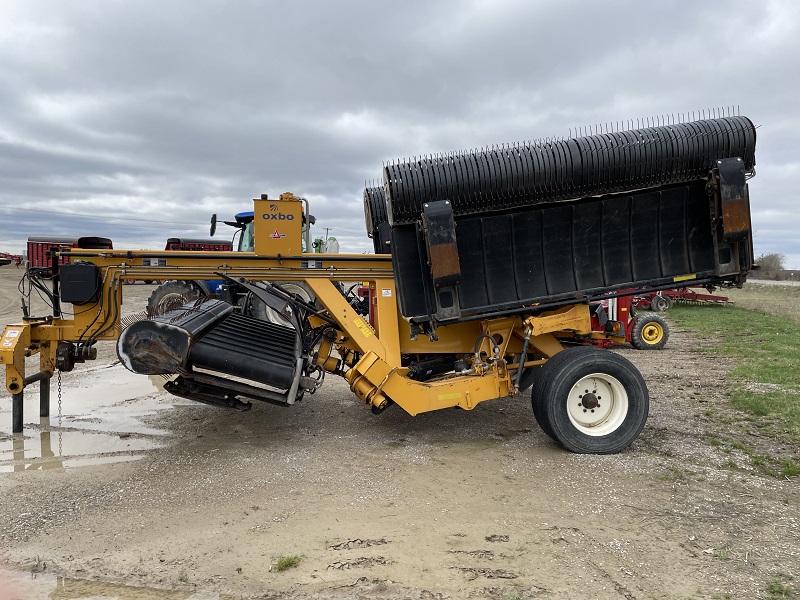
142 490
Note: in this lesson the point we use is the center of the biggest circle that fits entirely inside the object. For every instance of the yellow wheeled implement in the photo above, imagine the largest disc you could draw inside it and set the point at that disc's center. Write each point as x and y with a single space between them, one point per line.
461 366
496 257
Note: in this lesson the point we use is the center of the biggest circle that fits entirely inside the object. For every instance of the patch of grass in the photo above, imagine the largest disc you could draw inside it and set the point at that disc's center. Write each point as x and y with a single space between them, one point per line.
766 348
776 300
183 577
777 589
769 465
723 554
789 468
284 563
674 475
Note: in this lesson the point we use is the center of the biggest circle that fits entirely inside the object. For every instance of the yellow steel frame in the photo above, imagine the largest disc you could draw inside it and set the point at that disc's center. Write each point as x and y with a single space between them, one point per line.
372 355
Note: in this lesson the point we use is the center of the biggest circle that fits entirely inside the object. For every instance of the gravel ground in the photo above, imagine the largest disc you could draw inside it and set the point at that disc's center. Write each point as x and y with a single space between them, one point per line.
451 504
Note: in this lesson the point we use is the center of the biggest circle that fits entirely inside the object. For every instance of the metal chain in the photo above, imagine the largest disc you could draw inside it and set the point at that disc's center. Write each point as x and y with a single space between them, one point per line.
59 398
59 414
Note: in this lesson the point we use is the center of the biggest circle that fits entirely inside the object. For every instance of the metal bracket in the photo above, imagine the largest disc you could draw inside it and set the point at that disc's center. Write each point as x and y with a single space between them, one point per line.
440 241
734 199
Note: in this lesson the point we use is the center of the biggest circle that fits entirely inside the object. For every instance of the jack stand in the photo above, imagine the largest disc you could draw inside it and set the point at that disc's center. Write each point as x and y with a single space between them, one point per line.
44 398
16 412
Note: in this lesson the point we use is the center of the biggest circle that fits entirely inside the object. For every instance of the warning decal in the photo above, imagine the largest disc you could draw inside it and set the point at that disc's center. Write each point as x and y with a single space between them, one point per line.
362 326
9 337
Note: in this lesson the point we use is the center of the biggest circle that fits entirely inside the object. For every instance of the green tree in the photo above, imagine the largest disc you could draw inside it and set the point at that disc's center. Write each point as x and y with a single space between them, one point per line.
771 266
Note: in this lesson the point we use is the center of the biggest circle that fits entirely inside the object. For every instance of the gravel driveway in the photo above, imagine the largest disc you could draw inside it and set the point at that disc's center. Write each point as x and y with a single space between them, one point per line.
133 486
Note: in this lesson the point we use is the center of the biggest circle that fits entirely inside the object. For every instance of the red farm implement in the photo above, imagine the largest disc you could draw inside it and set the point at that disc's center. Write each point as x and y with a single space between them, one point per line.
42 249
193 245
664 299
7 259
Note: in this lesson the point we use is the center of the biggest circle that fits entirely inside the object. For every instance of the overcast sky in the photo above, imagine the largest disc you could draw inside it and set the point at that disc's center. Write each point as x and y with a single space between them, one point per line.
137 119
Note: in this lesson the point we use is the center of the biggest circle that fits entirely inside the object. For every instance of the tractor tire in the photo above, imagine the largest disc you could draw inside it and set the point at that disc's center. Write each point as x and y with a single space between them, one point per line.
591 401
170 295
256 308
543 373
529 376
660 303
650 332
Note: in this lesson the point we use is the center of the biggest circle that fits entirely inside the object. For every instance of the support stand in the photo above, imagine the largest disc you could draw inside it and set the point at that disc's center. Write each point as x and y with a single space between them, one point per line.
43 377
44 398
16 412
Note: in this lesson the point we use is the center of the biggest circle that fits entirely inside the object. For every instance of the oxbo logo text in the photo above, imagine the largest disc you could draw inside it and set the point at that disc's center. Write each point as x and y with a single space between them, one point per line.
277 217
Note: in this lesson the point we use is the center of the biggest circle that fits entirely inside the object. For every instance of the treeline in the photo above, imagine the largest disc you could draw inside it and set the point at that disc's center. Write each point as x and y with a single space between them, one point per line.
772 266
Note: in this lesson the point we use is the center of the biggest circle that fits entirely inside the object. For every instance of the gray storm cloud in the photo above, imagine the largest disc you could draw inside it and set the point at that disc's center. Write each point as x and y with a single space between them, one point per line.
137 120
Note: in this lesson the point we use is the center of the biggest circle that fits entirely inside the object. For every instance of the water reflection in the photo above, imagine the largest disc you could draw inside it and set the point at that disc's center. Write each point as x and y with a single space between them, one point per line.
102 422
55 448
45 449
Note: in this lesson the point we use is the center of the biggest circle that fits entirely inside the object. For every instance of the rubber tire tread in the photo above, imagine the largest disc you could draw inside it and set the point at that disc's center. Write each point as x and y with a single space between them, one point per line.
638 341
545 373
528 377
552 388
660 303
184 288
259 310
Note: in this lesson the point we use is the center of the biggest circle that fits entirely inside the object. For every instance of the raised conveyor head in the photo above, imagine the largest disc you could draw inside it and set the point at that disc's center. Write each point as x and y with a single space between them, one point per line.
496 231
542 172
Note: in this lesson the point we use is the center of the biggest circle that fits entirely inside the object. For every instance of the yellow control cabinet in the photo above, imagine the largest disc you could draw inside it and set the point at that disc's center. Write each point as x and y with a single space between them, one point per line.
278 226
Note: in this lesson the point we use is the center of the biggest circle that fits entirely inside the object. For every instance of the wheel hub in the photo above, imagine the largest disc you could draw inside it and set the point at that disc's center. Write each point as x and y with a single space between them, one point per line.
651 333
597 404
589 401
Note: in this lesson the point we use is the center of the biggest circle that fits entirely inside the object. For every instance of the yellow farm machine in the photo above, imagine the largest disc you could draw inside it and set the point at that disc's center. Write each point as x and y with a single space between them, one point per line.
489 267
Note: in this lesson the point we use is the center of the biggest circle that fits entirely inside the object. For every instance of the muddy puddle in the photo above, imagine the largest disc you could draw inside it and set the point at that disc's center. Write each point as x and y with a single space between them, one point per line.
98 422
16 585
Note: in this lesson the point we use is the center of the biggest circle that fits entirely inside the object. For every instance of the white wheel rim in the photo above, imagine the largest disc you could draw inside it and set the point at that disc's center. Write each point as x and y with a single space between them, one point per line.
597 404
292 288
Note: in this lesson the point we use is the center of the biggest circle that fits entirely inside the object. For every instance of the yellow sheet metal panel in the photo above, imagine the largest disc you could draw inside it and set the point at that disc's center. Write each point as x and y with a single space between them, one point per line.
350 322
13 344
573 318
278 226
372 380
